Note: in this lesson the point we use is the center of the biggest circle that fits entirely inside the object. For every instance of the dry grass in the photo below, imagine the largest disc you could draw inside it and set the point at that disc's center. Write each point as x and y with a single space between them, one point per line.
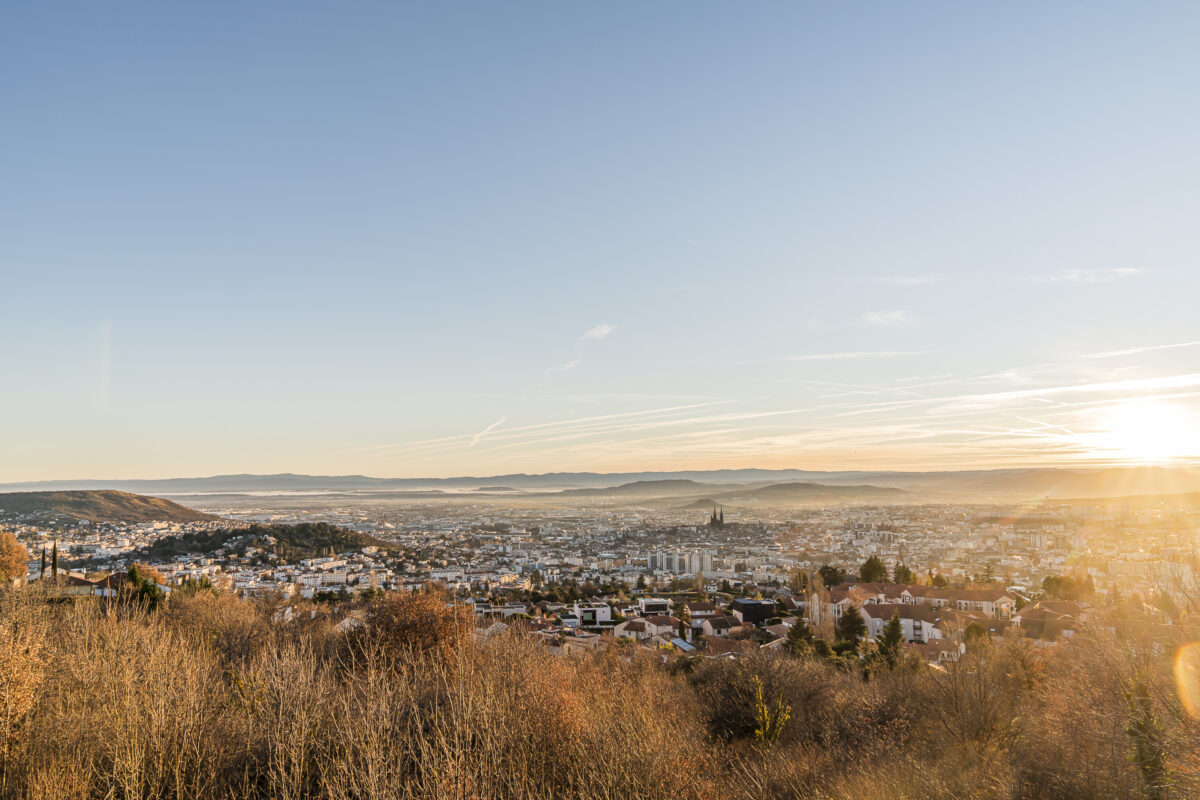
214 697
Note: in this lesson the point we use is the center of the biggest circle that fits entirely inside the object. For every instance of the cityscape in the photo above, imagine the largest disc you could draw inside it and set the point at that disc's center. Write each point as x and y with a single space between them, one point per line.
606 570
534 400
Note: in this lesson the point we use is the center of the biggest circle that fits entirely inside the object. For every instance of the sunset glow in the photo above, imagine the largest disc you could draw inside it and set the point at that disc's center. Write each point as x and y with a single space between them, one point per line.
1148 431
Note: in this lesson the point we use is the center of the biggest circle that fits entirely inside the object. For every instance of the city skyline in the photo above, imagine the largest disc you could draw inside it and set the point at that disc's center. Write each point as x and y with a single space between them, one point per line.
471 240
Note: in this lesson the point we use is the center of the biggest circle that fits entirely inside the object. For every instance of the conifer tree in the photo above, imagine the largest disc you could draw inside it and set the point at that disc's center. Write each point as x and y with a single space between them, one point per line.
851 627
891 642
799 638
54 560
872 571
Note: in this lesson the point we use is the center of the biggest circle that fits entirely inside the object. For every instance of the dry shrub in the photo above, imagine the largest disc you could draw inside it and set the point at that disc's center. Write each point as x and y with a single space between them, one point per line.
1078 716
128 709
13 558
215 697
22 635
235 629
505 719
420 623
832 709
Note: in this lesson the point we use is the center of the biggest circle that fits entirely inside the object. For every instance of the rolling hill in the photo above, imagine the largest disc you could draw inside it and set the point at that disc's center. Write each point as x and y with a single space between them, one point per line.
658 488
289 542
789 493
96 506
973 485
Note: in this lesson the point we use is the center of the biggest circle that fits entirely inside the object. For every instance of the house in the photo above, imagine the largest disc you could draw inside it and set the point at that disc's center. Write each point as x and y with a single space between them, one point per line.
995 603
720 626
940 651
649 606
635 629
1048 620
592 615
662 625
919 622
700 612
753 612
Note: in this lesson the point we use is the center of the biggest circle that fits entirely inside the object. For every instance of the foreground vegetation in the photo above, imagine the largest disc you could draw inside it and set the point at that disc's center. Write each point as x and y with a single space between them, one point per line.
215 697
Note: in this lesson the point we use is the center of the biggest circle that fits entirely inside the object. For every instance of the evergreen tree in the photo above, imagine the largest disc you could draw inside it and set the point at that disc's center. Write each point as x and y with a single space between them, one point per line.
851 628
902 574
872 571
799 638
891 642
54 560
831 575
42 575
1149 745
144 589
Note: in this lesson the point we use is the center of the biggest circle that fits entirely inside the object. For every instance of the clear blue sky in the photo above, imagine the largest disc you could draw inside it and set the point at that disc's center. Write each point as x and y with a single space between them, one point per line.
448 238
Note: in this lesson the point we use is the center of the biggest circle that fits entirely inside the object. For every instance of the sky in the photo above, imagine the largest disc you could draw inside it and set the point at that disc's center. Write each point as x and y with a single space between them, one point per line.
435 239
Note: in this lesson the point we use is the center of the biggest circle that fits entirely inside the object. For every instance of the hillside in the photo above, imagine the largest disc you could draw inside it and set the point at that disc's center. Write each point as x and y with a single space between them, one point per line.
290 542
96 506
659 488
1023 483
785 493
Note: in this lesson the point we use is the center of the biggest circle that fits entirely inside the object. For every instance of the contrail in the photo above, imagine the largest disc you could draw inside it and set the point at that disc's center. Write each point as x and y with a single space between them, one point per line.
475 439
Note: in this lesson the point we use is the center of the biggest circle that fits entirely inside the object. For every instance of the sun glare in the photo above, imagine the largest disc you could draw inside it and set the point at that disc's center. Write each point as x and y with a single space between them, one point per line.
1147 430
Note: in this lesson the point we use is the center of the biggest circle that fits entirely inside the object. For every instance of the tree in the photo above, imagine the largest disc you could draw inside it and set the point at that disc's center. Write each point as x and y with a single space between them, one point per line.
798 581
13 557
891 642
42 574
902 574
939 581
143 588
851 628
641 582
1149 746
976 636
685 621
799 638
872 571
831 575
54 560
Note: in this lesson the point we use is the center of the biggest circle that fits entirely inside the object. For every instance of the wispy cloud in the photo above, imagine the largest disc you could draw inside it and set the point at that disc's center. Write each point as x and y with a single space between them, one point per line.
475 439
567 367
600 331
854 355
1088 275
886 317
1135 350
910 280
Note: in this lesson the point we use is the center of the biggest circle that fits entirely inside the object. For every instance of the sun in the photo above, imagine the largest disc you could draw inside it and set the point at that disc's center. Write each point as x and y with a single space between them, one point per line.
1147 431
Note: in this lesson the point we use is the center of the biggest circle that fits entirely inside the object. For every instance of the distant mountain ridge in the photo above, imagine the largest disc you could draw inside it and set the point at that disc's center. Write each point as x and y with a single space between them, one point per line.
98 506
1035 482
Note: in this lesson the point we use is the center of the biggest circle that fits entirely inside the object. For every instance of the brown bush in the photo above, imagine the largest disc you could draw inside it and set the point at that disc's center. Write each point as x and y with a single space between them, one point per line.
13 558
426 622
215 697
